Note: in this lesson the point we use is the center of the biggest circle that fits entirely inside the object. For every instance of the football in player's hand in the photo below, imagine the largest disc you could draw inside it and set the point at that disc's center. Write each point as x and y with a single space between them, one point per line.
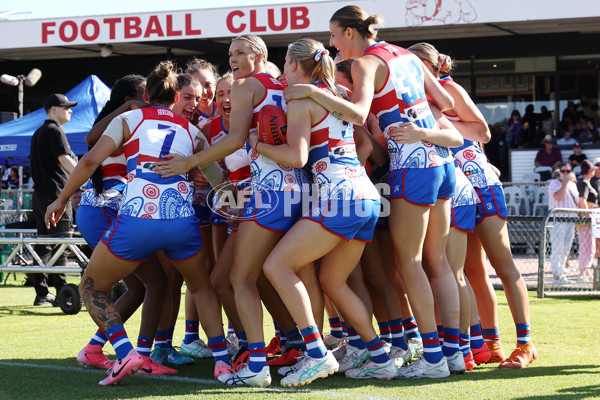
271 125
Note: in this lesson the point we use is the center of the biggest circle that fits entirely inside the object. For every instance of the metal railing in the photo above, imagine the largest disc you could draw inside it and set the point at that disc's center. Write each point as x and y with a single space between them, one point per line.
26 245
568 256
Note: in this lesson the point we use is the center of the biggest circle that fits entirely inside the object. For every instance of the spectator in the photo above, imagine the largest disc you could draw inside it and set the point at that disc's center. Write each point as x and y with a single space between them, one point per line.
588 198
11 179
577 157
51 164
513 130
562 193
567 139
568 115
530 121
584 134
547 122
549 156
595 180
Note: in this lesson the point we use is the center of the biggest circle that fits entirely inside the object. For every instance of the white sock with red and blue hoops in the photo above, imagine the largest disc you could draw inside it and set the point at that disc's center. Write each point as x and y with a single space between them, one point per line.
315 348
120 342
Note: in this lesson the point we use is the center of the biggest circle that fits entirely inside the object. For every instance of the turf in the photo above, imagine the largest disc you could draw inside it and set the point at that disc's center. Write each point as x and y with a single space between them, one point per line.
38 348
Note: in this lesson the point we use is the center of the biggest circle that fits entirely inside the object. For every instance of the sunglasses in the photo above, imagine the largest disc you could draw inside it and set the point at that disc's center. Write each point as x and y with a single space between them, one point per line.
565 171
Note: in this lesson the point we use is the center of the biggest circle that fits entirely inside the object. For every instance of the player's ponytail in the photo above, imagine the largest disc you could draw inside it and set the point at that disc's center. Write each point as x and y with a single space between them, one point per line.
356 18
429 54
315 60
162 86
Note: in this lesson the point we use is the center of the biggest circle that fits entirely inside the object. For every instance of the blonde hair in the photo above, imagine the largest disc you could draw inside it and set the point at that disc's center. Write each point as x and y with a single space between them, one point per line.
426 52
273 69
314 59
358 19
257 45
161 84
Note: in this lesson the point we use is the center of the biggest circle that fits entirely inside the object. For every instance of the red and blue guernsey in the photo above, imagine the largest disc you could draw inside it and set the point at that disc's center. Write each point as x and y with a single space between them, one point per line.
402 99
114 178
237 162
336 171
266 173
156 132
471 158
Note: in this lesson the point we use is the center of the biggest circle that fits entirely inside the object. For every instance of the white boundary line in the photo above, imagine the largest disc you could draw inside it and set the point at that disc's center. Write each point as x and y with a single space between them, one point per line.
304 391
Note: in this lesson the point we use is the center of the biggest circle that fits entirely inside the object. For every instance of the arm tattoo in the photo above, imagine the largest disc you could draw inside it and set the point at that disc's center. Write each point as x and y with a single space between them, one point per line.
337 114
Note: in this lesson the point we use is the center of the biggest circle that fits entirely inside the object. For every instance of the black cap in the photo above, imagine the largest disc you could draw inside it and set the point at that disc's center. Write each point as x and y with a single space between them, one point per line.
58 100
587 166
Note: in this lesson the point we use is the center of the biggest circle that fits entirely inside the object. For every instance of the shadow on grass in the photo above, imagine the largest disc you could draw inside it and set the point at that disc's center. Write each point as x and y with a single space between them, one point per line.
16 311
63 379
581 392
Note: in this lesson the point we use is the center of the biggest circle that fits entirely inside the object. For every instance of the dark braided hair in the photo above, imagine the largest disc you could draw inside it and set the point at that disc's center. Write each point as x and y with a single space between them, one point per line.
126 86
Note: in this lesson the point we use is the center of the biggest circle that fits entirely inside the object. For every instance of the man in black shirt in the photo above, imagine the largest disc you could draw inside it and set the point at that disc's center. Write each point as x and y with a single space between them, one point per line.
51 164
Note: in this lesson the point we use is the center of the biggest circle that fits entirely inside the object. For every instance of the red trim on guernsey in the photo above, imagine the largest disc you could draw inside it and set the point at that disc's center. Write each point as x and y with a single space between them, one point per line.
131 148
322 119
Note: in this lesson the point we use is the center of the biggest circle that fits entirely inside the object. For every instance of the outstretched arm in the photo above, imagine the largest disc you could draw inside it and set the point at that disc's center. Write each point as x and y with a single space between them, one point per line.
357 109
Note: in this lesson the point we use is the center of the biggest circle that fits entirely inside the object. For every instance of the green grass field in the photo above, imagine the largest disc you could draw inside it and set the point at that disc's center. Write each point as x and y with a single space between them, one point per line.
38 347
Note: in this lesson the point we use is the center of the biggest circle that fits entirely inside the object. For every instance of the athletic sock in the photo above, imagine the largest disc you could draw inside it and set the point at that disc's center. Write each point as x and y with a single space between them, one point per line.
120 342
282 339
295 340
440 330
191 331
277 330
229 328
397 334
218 345
170 337
464 342
432 352
335 326
491 335
523 333
99 338
476 337
258 356
376 350
315 348
144 345
344 329
451 339
160 339
242 340
384 331
355 340
411 328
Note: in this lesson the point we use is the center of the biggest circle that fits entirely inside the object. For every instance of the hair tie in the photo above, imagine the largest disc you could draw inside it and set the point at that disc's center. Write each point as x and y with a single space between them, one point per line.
320 53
